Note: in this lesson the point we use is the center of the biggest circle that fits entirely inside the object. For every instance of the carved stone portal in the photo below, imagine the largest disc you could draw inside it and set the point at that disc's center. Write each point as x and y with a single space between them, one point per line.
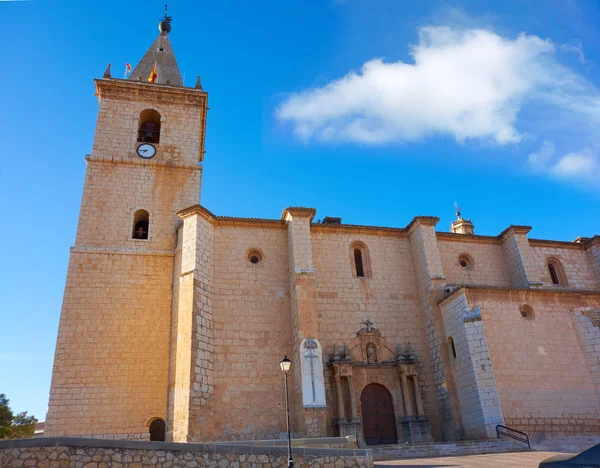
368 359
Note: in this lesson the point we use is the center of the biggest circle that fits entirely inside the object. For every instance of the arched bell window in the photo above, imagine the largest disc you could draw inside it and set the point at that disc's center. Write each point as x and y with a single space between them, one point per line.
149 129
557 273
157 430
141 225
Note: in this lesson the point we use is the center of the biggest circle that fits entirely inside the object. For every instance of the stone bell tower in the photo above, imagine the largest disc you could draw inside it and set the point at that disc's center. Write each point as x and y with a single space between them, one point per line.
110 375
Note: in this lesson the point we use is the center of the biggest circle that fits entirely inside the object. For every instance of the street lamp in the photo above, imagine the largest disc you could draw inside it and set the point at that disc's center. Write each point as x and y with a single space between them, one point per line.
285 365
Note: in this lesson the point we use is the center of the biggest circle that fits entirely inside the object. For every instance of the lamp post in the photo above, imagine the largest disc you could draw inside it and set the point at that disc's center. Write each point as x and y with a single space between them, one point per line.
285 365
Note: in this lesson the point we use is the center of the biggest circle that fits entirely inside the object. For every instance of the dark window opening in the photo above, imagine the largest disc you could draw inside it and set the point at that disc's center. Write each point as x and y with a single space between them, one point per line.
149 130
157 430
451 341
553 274
360 272
254 259
141 224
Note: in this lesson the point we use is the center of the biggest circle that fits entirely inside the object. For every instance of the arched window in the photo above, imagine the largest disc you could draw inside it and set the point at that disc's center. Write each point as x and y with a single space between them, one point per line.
149 129
358 262
141 225
157 430
359 256
557 274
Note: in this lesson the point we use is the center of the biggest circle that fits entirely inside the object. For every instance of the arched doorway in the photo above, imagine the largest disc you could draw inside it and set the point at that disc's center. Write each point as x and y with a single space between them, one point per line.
157 430
379 422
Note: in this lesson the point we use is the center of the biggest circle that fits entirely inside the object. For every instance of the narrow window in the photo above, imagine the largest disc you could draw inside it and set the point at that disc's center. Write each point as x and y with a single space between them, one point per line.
358 261
141 224
557 274
157 430
451 343
553 274
149 130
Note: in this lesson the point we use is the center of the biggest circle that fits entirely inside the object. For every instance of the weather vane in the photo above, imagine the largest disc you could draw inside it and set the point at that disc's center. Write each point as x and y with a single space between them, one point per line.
457 208
165 23
166 18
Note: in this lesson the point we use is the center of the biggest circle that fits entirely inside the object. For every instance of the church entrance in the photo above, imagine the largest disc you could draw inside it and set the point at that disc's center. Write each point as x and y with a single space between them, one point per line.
379 422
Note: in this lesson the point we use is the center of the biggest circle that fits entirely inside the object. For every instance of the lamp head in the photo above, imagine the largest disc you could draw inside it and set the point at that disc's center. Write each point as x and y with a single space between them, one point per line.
285 365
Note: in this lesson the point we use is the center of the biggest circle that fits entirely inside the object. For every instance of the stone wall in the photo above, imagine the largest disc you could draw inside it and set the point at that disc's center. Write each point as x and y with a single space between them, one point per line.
574 260
489 262
541 368
93 453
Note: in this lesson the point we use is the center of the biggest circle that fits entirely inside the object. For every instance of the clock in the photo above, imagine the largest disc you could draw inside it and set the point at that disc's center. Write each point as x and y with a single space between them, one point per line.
146 151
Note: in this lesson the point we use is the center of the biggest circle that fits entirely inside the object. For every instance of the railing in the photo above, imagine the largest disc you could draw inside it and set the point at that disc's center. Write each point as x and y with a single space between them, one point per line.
512 433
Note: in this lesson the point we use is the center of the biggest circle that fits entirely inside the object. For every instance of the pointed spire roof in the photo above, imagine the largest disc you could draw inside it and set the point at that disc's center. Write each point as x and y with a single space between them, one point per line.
161 54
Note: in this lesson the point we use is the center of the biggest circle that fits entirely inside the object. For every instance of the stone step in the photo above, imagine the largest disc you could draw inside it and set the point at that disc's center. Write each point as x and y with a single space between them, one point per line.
445 449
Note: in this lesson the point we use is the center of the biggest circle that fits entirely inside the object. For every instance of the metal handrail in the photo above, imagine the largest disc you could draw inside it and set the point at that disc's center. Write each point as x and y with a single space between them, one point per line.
503 430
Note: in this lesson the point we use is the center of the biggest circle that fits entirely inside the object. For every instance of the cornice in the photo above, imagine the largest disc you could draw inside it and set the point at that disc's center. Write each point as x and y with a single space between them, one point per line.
229 220
555 243
299 211
455 237
517 229
536 291
357 228
142 162
588 242
422 220
142 91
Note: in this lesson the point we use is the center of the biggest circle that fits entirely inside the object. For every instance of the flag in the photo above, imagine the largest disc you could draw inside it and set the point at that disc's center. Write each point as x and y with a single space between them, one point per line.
152 77
127 68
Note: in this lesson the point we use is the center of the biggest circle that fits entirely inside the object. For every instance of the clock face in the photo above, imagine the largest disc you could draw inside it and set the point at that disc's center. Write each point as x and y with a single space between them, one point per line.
146 151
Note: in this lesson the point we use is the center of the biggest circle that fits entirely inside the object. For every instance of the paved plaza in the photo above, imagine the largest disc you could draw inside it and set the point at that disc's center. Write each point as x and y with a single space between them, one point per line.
496 460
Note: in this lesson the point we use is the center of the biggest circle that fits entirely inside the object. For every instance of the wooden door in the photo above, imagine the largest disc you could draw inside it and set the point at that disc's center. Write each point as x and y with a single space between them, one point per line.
379 422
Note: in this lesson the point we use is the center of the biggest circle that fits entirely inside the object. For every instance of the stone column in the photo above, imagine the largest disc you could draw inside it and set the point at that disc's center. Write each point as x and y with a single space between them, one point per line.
340 397
309 422
408 406
431 282
473 368
418 399
352 397
191 368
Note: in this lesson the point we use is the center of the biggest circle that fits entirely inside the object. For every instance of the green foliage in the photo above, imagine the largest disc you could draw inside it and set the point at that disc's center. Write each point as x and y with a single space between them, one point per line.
14 426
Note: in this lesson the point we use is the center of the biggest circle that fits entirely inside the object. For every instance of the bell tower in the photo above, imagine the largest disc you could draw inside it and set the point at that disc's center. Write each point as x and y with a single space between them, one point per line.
110 375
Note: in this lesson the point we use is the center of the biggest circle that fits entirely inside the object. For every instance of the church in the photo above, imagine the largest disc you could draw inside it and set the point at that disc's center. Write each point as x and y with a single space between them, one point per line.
175 319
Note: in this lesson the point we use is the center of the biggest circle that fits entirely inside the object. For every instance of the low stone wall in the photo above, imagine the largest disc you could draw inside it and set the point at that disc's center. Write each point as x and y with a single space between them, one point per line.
69 452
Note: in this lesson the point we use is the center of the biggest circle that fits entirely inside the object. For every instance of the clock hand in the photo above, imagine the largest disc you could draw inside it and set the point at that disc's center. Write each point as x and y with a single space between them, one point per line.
144 151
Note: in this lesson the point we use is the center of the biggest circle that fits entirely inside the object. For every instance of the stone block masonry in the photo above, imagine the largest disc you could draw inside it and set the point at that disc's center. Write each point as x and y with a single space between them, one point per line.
93 453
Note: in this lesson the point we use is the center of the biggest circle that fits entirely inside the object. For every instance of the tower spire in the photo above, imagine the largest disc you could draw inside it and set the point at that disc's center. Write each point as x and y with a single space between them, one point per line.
160 54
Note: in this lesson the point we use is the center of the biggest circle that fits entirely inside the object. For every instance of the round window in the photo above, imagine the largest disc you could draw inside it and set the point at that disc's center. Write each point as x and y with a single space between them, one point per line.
254 256
465 261
526 312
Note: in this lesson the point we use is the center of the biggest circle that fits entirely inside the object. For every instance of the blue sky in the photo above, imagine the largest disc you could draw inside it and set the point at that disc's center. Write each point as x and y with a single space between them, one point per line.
492 104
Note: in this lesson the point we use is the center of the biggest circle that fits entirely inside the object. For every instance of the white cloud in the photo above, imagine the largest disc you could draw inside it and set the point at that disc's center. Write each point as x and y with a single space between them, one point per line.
540 160
471 84
468 84
576 167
